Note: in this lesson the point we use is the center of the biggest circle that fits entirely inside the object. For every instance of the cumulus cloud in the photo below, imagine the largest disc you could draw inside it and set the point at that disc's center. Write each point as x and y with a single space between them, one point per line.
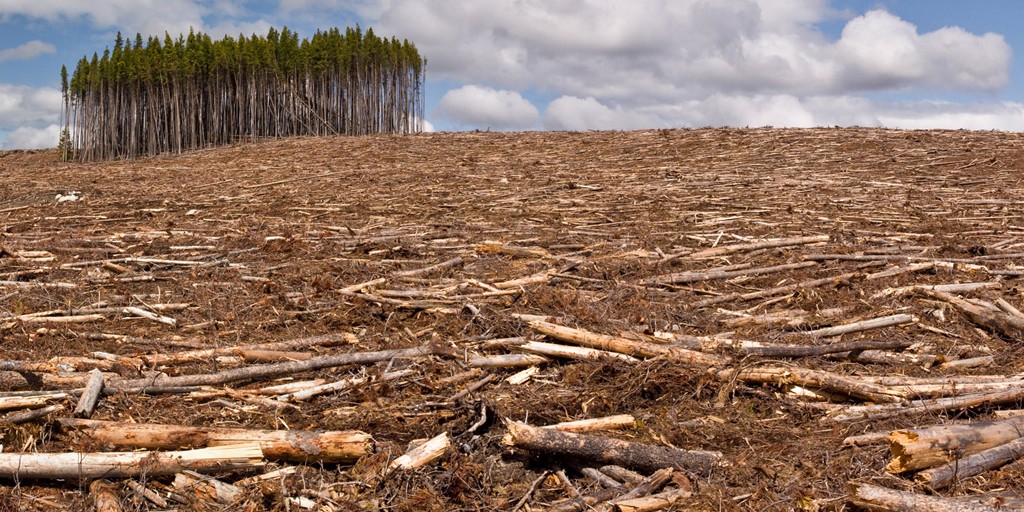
27 137
27 51
20 105
484 107
572 113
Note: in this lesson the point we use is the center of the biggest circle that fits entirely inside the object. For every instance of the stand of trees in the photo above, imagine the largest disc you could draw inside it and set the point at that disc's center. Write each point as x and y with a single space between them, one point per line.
150 96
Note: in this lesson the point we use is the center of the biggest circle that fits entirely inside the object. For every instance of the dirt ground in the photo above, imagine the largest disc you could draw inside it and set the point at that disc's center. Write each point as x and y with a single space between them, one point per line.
260 239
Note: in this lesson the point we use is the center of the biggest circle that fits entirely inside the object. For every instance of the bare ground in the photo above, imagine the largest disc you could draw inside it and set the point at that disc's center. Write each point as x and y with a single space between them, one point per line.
273 230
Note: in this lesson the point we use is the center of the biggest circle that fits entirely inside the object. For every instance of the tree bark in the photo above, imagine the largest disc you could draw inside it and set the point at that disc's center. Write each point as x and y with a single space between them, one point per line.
89 466
638 456
345 446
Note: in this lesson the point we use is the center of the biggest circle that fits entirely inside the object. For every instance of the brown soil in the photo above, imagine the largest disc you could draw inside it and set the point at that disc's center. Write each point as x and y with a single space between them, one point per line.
281 226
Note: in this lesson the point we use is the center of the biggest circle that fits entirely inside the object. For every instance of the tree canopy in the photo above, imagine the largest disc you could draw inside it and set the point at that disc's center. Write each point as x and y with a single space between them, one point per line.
152 96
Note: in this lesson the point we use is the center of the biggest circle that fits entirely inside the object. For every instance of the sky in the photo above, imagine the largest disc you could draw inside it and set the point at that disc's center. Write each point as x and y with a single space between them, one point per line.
594 64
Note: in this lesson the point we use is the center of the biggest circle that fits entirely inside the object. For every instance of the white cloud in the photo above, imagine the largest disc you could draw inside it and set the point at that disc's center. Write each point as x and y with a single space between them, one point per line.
572 113
475 106
21 105
27 137
27 51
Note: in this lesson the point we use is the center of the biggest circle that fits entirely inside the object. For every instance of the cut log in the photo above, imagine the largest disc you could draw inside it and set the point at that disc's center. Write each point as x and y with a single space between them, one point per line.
716 252
422 454
91 395
339 385
590 425
863 325
715 275
104 497
624 346
272 370
287 445
638 456
943 476
881 499
563 351
778 290
507 361
994 320
206 489
93 465
956 403
659 501
928 447
817 379
326 340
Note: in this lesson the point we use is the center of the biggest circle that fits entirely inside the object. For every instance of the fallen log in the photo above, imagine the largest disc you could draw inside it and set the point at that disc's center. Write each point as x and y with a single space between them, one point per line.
104 497
715 252
915 449
422 454
326 340
715 275
271 370
931 406
863 325
286 445
94 465
653 502
873 497
992 319
778 290
638 456
943 476
623 345
817 379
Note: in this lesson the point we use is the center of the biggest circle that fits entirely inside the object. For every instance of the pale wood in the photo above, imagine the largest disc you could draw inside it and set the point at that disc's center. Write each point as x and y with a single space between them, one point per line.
507 361
149 315
356 288
63 319
816 379
595 424
638 456
714 275
206 489
778 290
104 497
948 288
39 399
540 277
326 340
930 406
921 448
426 270
343 446
570 352
993 319
422 454
652 503
624 346
273 370
602 479
945 475
863 325
91 395
31 414
146 493
339 385
881 499
892 272
93 465
716 252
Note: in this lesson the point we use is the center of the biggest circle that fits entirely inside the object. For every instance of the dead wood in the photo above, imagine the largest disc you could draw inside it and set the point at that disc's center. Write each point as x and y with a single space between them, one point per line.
638 456
716 252
104 497
881 499
931 406
945 475
927 447
818 379
717 274
778 290
863 325
90 395
624 346
249 373
286 445
93 465
991 318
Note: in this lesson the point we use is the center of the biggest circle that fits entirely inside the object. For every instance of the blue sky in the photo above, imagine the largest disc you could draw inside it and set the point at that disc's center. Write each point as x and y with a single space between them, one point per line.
595 64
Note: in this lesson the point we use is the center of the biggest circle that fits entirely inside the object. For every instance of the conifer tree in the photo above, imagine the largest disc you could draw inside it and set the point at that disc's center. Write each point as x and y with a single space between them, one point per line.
147 96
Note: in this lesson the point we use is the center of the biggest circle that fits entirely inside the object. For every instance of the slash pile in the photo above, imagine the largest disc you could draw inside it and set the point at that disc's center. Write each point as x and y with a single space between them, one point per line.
704 320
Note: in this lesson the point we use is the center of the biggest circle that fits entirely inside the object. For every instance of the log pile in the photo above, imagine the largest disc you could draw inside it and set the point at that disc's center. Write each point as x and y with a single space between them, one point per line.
694 319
